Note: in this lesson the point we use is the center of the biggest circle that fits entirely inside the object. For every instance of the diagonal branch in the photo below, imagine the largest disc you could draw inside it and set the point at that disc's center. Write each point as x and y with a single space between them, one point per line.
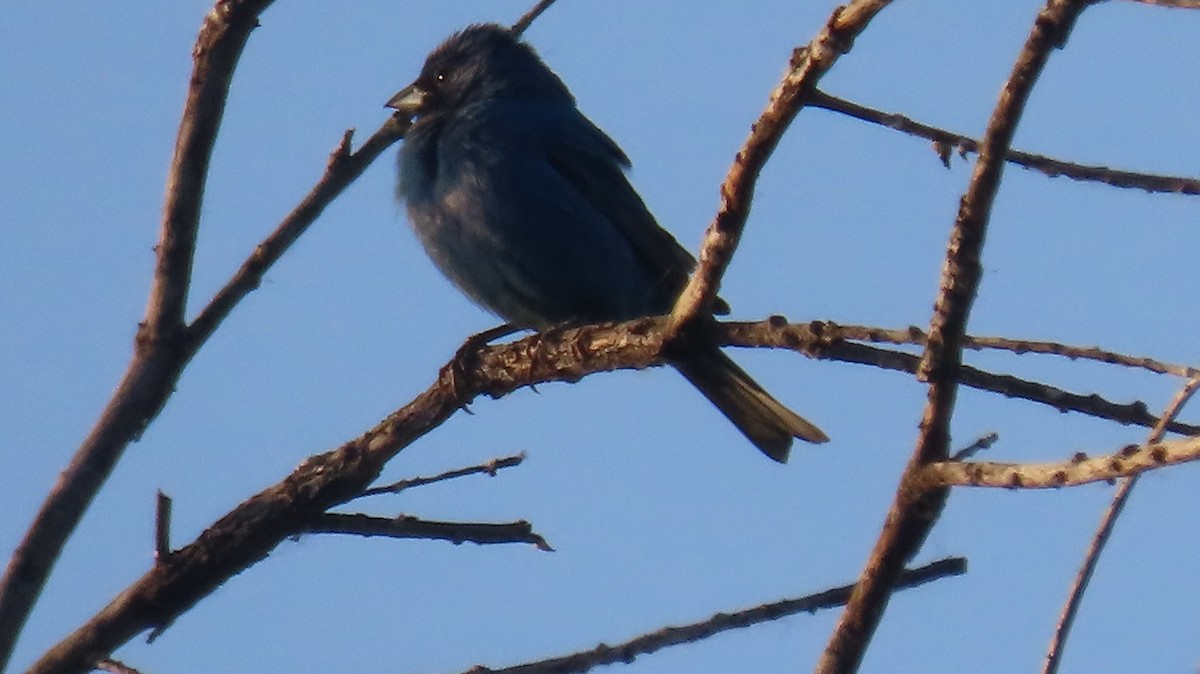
115 667
490 468
914 511
808 65
1047 165
343 168
160 353
530 16
827 341
247 534
628 651
164 345
1104 531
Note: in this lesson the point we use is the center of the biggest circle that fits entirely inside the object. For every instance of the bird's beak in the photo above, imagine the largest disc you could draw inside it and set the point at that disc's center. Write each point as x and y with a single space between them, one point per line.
407 101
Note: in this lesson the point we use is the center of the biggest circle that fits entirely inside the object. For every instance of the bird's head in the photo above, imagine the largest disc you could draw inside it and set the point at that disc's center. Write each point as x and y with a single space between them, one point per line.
479 63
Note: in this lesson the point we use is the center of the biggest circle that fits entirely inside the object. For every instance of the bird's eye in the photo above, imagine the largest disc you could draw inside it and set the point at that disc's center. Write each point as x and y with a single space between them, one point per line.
435 83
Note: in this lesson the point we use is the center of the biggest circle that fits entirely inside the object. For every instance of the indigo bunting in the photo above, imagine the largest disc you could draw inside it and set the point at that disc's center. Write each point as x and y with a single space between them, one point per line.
523 203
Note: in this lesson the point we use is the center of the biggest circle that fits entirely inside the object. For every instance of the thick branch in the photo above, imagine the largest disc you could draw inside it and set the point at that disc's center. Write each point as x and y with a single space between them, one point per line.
218 48
914 511
254 528
248 533
160 353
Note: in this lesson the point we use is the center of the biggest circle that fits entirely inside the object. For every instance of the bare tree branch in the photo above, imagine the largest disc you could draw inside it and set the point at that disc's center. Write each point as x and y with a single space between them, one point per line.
529 17
808 65
1047 165
299 504
914 335
914 511
248 533
982 443
628 651
1175 4
115 667
489 468
1127 462
253 529
164 344
1083 578
405 526
160 349
825 341
343 168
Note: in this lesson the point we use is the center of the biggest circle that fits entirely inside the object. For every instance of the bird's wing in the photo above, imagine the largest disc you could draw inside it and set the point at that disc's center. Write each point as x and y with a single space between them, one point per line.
595 167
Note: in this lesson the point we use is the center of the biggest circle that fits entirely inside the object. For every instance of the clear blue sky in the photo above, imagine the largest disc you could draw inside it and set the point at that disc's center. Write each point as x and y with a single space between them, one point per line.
661 513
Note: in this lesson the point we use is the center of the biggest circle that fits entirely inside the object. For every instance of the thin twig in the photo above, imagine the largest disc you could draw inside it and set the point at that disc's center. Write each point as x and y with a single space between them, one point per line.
982 443
917 336
1051 167
914 511
405 526
529 17
1084 576
343 168
489 468
645 644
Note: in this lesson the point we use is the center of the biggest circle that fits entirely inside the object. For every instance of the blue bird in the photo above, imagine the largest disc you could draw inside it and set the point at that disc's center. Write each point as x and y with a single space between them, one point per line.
523 203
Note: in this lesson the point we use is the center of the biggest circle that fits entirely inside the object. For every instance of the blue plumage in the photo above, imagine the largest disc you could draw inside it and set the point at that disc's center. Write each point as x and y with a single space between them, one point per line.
524 205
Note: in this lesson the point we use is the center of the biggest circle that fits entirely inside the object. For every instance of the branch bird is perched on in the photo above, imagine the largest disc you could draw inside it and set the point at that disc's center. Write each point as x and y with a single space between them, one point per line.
523 203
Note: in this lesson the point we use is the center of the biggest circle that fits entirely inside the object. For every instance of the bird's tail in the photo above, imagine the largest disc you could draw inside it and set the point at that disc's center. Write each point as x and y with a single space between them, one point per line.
761 418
